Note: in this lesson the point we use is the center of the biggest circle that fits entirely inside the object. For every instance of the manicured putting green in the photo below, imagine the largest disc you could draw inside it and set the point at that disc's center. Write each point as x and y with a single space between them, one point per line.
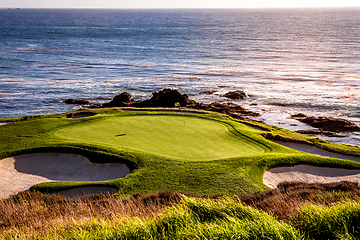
174 136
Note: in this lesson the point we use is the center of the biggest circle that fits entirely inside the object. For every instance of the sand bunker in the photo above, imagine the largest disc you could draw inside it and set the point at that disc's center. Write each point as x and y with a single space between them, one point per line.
21 172
309 174
83 115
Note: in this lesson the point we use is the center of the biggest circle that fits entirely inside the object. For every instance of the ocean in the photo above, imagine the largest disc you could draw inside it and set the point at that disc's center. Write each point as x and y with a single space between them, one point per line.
287 60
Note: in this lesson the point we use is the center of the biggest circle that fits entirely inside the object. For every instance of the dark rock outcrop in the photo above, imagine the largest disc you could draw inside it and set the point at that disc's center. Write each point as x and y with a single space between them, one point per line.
298 116
165 98
236 95
76 101
228 108
208 92
169 97
120 100
123 97
328 124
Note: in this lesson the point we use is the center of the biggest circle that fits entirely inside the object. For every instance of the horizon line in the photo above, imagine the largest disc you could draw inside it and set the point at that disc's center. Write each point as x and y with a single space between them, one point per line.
184 8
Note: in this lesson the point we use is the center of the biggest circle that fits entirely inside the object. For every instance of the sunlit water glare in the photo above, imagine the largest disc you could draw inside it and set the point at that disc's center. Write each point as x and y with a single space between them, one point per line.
288 61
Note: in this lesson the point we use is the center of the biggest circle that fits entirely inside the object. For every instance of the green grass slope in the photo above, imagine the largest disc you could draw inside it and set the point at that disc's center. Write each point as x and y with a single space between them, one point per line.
200 153
183 137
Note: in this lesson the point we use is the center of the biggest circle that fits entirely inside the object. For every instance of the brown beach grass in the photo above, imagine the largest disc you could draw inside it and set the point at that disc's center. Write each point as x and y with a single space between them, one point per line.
284 200
35 211
32 211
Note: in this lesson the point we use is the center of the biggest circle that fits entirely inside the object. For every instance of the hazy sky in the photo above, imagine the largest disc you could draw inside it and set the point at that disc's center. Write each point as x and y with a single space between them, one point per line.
175 4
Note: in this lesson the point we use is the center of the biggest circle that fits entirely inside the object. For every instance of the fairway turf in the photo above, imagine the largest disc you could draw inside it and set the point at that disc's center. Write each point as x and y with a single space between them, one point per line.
183 137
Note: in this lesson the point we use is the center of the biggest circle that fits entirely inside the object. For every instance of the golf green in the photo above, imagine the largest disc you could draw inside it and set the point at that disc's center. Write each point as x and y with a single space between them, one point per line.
184 137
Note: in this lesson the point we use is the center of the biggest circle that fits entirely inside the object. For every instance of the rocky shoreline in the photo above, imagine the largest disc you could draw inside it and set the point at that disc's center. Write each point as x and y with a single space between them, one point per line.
172 98
327 126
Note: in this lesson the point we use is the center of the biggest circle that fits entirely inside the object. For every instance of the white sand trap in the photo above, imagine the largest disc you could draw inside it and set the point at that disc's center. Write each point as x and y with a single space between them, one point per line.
309 174
21 172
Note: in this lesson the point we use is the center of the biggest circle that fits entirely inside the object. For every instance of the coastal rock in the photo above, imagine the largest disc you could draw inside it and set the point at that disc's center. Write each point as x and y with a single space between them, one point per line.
165 98
230 109
122 97
76 101
298 116
328 124
168 98
120 100
236 95
208 92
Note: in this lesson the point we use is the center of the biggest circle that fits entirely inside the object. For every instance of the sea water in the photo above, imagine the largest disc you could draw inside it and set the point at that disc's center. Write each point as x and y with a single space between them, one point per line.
287 60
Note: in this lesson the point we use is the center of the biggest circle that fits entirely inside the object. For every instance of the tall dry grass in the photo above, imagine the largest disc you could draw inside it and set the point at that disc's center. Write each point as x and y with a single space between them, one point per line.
284 201
31 212
35 211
